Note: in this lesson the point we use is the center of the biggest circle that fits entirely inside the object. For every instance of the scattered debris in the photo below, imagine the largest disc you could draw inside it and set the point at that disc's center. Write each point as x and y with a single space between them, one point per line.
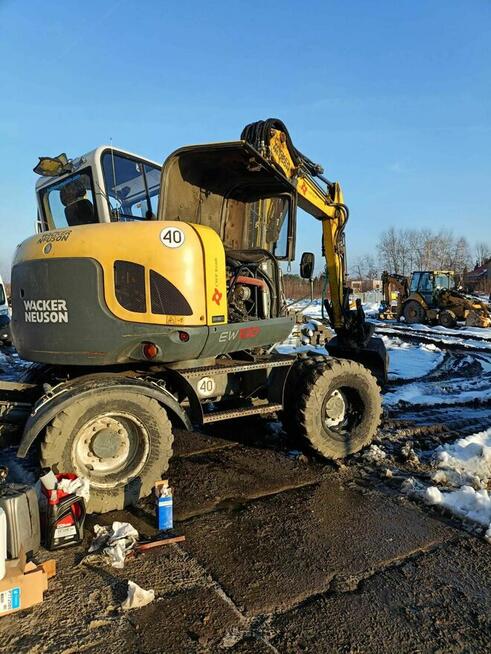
144 546
114 542
137 597
374 454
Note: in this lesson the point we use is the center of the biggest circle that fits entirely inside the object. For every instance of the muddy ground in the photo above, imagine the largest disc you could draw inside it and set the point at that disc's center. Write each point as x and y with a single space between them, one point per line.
287 553
281 555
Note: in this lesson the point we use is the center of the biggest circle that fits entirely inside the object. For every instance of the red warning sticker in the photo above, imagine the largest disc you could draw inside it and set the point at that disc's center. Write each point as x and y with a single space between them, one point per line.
217 297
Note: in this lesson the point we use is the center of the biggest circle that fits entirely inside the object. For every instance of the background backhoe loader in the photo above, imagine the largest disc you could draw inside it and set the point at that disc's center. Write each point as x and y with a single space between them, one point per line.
142 315
431 297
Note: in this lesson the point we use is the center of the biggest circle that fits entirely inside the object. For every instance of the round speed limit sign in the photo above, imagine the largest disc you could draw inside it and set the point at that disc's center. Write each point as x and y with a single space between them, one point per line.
206 386
172 237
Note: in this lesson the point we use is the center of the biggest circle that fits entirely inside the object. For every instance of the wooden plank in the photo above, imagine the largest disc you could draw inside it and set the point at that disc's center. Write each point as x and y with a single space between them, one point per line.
143 547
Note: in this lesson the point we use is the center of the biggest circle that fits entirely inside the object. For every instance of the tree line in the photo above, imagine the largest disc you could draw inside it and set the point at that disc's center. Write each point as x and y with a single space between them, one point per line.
403 250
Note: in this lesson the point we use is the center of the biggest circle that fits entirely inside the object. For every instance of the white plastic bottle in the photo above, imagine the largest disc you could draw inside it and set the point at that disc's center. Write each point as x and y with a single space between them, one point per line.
3 542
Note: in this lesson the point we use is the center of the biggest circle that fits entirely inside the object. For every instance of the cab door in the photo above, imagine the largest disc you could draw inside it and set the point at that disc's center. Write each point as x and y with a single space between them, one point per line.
426 287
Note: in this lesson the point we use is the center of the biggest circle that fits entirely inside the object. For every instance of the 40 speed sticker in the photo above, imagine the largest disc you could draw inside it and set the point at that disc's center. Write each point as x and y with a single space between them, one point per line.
206 386
172 237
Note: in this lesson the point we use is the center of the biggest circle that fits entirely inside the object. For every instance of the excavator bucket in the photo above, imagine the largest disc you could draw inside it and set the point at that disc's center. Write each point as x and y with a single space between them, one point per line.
477 319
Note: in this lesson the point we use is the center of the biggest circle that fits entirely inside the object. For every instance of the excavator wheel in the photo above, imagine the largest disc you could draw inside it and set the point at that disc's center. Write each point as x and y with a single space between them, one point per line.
120 441
337 407
414 313
447 318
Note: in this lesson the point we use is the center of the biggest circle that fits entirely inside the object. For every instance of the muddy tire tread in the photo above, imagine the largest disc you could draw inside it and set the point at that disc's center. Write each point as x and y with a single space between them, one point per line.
52 452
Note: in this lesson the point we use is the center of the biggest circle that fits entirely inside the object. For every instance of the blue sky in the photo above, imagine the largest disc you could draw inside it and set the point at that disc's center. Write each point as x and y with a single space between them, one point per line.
393 98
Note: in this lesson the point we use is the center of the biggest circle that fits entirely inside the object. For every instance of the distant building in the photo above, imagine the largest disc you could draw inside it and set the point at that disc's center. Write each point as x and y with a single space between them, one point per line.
479 279
365 285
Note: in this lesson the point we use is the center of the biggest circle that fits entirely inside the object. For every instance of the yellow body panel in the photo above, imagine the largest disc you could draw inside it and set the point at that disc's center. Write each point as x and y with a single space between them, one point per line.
196 267
215 277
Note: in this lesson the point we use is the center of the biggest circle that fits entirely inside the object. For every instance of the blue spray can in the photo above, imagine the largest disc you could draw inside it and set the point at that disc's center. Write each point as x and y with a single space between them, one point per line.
164 505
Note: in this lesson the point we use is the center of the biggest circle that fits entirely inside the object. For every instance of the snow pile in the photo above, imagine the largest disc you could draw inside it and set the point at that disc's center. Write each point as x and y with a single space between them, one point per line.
467 461
466 503
464 467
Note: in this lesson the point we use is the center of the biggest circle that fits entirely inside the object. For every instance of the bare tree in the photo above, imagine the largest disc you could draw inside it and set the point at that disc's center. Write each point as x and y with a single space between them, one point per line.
402 251
357 269
482 253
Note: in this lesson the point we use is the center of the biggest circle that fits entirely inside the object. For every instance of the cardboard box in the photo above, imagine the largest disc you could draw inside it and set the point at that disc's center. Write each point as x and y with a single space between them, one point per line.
24 584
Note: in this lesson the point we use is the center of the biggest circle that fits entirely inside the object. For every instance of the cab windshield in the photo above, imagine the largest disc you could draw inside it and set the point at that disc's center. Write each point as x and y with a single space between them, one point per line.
70 201
444 281
132 187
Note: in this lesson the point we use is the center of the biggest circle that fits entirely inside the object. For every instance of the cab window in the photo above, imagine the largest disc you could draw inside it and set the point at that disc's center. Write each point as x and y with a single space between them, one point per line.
425 284
415 282
132 187
444 281
70 201
265 223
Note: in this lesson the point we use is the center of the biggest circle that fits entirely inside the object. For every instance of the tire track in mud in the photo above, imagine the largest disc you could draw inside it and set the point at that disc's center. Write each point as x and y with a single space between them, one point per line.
463 343
449 403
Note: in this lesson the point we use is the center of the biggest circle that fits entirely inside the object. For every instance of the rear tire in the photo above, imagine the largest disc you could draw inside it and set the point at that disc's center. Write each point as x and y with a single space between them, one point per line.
414 313
120 440
447 318
338 407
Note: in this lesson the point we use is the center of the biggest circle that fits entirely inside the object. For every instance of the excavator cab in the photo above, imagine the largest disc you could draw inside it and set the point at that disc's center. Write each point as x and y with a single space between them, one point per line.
103 186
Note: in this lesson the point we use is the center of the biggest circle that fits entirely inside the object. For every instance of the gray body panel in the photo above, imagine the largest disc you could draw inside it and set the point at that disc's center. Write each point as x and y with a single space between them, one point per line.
85 332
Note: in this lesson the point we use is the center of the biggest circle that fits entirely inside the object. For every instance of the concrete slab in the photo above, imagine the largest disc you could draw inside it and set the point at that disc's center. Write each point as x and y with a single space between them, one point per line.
190 621
274 552
187 443
228 477
438 602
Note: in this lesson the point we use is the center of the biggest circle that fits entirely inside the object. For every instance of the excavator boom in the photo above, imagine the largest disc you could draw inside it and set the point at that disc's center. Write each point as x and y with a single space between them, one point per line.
323 199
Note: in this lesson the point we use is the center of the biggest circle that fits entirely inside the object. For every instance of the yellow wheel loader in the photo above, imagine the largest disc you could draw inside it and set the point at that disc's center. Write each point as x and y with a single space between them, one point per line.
152 296
430 296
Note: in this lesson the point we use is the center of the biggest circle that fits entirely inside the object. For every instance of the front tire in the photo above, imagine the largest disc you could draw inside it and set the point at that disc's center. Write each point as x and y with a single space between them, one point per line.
447 318
120 440
414 313
338 407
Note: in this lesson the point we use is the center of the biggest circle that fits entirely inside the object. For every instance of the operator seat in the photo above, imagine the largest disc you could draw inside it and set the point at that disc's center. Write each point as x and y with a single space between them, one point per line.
79 210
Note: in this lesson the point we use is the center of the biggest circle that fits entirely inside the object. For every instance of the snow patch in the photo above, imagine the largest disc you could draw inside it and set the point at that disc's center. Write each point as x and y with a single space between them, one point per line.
467 461
410 361
465 503
463 472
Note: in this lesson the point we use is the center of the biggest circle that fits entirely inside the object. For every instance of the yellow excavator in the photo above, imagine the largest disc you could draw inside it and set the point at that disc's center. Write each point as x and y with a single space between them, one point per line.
153 296
430 296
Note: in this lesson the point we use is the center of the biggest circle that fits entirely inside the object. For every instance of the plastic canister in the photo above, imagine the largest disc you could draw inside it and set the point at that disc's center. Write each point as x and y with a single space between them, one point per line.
20 504
3 542
63 516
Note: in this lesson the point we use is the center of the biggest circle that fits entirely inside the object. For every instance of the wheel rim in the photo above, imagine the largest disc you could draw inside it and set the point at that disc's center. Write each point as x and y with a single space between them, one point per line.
334 410
111 447
342 410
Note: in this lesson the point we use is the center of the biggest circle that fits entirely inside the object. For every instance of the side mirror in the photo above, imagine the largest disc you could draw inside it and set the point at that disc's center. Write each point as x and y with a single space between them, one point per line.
307 263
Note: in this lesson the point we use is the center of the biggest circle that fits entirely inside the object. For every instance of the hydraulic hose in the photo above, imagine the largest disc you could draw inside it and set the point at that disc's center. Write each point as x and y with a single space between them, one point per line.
258 135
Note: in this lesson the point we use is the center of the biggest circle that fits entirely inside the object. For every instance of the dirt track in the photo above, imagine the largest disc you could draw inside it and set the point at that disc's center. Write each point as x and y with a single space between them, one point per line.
281 555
